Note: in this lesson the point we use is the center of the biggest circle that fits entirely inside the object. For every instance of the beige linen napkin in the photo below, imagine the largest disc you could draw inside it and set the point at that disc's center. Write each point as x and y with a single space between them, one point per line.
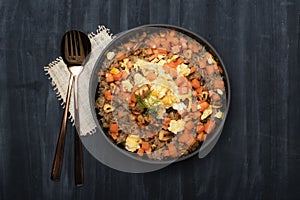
59 77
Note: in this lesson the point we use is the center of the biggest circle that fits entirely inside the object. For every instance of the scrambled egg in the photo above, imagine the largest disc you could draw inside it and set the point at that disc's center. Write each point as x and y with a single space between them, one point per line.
183 69
176 126
133 143
140 80
158 91
163 87
179 106
127 85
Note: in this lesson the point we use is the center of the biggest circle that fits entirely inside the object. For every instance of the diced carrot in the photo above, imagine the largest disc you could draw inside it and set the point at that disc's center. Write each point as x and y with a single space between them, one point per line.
171 146
145 145
194 47
108 95
148 151
124 75
151 76
121 55
189 125
166 153
183 42
191 142
132 105
203 106
200 128
182 39
189 84
210 69
151 44
118 76
166 45
193 69
215 97
170 64
219 84
157 41
133 98
109 78
179 80
152 57
167 121
179 61
162 40
175 41
196 83
197 114
183 90
199 90
162 51
114 136
200 136
184 46
183 138
140 152
149 51
172 33
203 63
175 49
128 45
209 126
129 65
173 72
172 150
113 128
220 69
194 93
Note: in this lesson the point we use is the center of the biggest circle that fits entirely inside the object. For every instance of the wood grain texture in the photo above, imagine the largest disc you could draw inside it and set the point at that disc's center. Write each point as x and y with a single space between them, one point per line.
258 154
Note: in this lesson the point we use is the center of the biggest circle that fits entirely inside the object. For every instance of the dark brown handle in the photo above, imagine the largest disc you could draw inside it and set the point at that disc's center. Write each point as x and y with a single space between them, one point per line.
78 160
59 153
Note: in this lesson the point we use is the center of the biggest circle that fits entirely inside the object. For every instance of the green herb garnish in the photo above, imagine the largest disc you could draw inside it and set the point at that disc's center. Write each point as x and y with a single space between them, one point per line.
149 109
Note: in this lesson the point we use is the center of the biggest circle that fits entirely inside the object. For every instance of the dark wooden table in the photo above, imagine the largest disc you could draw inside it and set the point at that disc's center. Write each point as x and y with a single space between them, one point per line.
258 154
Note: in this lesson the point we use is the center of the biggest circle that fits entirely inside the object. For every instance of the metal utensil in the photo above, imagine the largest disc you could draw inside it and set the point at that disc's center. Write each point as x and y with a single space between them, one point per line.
75 46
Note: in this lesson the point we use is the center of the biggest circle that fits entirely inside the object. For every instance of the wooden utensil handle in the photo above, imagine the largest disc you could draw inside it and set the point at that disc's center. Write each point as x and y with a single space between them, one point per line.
59 153
78 160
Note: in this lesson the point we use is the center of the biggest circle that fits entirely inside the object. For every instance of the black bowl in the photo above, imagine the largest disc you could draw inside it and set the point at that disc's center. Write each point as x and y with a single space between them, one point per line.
110 154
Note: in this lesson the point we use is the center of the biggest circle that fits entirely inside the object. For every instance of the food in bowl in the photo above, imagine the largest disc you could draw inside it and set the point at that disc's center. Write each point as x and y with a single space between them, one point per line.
160 93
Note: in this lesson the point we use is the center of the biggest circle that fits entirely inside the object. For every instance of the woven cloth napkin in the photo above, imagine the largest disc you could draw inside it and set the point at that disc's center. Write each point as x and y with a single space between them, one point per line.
59 75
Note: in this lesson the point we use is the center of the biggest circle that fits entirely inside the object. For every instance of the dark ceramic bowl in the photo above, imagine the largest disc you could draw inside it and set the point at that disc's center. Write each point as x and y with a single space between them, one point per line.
110 154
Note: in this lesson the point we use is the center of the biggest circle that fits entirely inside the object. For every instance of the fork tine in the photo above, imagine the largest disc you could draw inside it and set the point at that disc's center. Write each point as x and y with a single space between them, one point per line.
80 48
67 49
76 36
71 40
